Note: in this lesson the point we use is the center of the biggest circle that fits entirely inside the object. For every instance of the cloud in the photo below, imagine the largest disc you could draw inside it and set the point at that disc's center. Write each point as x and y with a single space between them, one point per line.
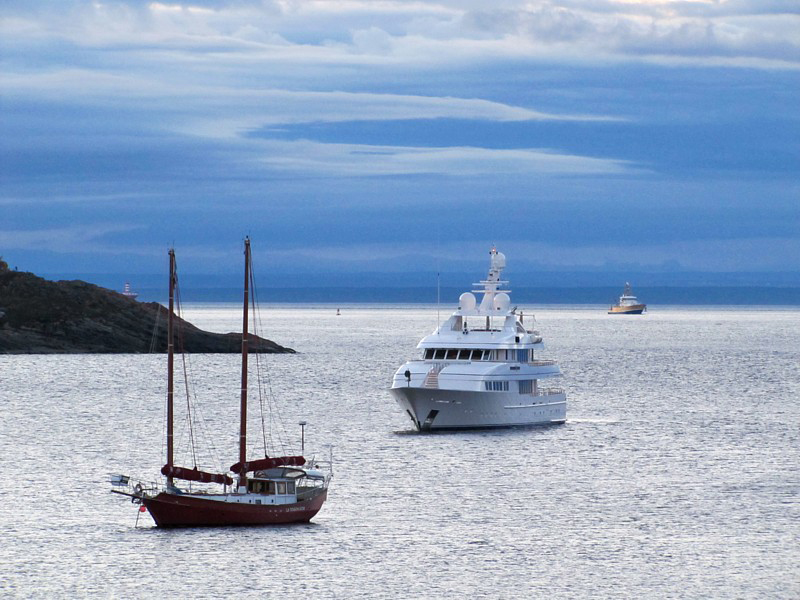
226 111
715 255
348 160
419 35
71 239
338 120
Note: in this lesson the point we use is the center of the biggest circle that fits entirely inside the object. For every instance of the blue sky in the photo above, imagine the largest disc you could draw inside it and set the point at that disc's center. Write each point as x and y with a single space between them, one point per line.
393 136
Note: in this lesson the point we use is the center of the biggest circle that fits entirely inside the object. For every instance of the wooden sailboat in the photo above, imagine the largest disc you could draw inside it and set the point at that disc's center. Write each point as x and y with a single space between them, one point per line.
269 490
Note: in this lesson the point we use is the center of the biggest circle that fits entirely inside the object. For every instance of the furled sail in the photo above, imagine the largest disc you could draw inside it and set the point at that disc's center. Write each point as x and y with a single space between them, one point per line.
195 475
269 463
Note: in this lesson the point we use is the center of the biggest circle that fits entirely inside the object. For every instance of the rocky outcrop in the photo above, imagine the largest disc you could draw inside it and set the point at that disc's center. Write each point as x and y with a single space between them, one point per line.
46 317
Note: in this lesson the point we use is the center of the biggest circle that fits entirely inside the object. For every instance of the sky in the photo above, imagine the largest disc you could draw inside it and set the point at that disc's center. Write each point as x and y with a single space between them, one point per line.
400 137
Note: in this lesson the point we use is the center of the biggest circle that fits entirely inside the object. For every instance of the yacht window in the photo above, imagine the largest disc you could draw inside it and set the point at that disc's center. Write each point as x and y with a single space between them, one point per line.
487 355
290 487
522 356
526 386
496 386
429 354
439 354
270 488
452 354
281 487
464 354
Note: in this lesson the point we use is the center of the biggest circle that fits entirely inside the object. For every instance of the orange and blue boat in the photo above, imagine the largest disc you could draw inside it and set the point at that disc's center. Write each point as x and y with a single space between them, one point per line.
628 304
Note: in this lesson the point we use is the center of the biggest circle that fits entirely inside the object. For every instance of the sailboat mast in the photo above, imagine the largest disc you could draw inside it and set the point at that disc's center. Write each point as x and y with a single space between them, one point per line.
170 364
243 408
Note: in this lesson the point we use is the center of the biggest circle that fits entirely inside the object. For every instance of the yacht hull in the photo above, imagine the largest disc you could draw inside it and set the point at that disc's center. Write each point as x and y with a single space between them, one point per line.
432 409
185 510
627 310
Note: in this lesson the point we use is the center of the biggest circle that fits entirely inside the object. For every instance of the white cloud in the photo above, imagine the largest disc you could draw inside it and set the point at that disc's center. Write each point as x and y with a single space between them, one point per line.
227 111
347 160
422 34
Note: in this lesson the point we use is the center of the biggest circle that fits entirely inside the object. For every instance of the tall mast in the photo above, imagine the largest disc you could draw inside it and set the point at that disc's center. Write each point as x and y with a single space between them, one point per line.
170 364
243 408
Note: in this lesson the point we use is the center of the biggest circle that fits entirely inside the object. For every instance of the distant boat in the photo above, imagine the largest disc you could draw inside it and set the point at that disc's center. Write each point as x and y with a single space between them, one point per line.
128 292
281 489
628 304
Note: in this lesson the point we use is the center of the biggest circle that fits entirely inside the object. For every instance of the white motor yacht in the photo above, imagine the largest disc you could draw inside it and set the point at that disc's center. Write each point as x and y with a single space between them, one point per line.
478 369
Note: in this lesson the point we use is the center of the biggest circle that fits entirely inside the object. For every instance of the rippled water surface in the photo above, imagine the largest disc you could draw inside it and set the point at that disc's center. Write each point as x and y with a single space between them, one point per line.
677 473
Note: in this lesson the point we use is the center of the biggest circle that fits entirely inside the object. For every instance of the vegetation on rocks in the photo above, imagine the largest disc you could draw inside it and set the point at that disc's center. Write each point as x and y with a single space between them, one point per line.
40 317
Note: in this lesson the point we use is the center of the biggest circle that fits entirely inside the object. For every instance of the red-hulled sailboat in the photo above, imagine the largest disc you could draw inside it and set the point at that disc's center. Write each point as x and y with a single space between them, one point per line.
283 489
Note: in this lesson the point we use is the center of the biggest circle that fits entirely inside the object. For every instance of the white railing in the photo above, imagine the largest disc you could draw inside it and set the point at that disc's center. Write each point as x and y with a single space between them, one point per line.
129 486
549 391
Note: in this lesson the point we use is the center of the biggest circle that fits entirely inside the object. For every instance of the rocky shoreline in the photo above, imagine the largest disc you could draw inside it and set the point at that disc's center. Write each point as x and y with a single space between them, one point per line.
70 317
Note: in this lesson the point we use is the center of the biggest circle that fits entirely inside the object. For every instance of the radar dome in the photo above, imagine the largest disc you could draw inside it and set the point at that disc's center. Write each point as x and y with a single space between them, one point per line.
466 301
498 260
502 302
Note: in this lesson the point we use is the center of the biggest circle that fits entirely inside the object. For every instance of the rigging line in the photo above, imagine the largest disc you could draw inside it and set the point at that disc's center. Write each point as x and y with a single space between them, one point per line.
154 334
258 327
201 438
181 338
273 410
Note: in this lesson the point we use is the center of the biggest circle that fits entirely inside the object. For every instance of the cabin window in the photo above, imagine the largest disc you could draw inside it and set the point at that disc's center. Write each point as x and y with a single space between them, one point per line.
281 488
496 386
522 356
526 386
439 354
452 354
429 354
290 487
464 354
487 355
270 491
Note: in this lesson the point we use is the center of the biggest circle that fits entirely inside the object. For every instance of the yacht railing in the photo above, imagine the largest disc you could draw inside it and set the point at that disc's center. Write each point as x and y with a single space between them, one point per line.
553 391
129 486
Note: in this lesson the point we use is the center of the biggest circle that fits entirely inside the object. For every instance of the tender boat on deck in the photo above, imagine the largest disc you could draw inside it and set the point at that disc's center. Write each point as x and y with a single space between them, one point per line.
478 369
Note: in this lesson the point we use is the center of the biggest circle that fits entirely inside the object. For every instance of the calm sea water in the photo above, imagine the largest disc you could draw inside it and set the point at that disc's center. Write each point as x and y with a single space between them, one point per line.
677 473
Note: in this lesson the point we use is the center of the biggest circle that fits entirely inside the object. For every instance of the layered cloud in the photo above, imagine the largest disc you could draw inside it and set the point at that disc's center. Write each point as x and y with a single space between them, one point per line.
210 114
343 160
424 34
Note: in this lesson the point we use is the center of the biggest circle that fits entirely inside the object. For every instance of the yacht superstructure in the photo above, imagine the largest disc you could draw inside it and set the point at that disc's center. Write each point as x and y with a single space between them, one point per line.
479 369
